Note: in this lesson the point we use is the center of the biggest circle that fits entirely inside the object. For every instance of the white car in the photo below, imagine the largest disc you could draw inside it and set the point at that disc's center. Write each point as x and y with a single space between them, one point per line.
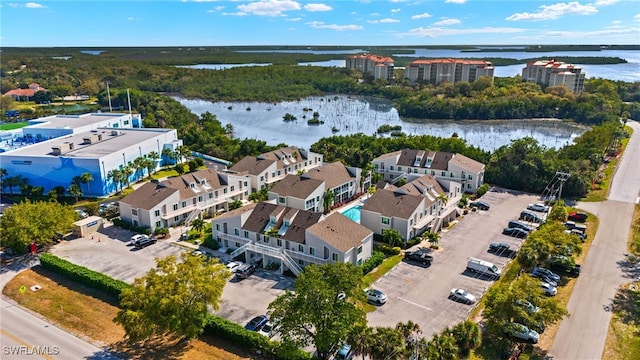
376 296
267 330
462 296
548 289
538 207
233 265
521 332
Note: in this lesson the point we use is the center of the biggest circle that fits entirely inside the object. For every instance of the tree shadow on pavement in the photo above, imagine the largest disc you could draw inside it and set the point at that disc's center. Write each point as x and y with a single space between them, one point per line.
630 266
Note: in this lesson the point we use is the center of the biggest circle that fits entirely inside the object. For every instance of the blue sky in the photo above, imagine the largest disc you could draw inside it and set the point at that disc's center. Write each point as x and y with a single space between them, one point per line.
318 22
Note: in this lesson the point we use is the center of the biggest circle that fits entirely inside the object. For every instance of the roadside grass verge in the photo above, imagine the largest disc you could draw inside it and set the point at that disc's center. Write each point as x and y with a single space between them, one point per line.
13 126
601 193
382 269
164 173
89 313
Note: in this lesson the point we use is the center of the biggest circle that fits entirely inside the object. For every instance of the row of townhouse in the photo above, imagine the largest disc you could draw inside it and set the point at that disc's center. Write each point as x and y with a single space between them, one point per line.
443 166
292 238
183 198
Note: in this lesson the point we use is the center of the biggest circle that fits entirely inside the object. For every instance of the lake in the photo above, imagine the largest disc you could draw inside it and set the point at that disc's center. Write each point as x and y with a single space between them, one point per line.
350 115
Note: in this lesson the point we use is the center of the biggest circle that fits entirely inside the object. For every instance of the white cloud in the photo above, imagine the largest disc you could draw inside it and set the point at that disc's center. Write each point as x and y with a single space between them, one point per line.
322 25
437 31
383 21
637 17
239 13
317 7
605 2
616 22
591 34
268 7
395 10
32 5
399 1
456 1
294 19
216 9
446 22
421 16
555 11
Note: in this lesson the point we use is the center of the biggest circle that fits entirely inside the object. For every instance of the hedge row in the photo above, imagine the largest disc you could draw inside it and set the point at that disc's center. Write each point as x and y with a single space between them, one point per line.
128 226
376 259
82 274
223 328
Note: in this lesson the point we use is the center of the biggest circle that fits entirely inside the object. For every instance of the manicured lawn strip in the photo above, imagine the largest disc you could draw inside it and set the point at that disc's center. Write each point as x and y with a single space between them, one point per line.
12 126
382 269
601 194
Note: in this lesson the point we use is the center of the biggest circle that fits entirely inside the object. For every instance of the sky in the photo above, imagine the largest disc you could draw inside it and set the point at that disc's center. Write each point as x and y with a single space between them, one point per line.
126 23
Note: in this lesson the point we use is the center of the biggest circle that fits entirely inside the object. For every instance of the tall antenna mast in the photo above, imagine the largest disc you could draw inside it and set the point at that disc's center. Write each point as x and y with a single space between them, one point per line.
129 99
109 96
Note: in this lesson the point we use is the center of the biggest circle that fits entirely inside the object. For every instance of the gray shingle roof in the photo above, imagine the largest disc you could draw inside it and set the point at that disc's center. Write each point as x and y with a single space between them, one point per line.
148 196
339 231
393 203
252 165
296 186
334 174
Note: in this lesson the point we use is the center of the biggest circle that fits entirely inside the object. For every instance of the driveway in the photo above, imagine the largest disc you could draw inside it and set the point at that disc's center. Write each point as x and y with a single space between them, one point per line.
421 294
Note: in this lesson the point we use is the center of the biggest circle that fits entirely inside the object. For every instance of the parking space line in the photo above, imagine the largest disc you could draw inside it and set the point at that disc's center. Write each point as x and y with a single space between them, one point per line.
416 304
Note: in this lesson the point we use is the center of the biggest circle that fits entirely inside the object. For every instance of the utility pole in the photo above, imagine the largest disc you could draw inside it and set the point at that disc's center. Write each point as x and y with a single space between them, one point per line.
109 96
562 177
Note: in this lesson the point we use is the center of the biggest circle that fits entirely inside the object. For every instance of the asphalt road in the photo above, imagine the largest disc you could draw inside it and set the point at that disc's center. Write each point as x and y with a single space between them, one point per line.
583 334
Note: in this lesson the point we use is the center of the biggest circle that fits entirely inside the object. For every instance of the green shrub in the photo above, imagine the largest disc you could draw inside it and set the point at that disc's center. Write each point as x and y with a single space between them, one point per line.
128 226
388 250
482 189
211 243
82 274
376 259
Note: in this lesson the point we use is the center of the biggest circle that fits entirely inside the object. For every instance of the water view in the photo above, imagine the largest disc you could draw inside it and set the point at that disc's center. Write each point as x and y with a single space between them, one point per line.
343 115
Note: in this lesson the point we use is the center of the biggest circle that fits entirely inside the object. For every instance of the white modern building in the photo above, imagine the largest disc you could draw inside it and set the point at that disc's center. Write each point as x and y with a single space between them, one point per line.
443 166
57 161
292 238
54 126
437 71
380 67
551 73
183 198
268 168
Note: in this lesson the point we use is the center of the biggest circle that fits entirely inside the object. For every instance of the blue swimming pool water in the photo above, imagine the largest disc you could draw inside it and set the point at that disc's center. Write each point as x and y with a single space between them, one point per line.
353 213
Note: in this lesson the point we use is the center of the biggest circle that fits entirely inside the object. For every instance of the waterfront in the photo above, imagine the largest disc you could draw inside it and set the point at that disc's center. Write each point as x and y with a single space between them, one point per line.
350 115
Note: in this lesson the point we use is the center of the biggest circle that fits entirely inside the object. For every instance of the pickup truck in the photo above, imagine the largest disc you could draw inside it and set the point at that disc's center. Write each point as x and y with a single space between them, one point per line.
418 256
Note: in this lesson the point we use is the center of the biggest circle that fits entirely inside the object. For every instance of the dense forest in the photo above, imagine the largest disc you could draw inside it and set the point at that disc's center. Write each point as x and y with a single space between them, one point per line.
150 77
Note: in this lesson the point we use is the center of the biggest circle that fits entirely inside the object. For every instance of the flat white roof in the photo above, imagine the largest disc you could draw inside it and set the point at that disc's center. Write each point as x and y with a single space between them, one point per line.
73 121
113 140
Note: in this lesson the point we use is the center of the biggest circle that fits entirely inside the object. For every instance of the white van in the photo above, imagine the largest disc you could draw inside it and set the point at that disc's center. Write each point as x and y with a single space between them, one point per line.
137 238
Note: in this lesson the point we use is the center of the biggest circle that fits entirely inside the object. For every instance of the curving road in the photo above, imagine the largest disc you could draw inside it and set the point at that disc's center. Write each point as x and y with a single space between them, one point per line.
583 334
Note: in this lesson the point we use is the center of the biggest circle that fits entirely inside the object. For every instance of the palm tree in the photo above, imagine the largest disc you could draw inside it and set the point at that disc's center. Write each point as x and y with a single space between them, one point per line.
444 199
139 166
198 225
182 151
86 178
168 154
3 173
150 164
360 338
467 335
442 347
127 171
75 190
366 174
116 176
327 200
410 332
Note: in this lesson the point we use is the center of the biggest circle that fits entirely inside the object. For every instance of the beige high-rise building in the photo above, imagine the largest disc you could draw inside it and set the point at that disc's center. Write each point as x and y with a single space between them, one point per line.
447 70
551 72
380 67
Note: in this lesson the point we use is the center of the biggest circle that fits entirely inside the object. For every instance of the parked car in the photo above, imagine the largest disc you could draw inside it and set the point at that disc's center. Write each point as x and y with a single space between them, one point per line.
571 225
461 295
538 207
545 278
418 256
502 249
233 265
530 217
344 353
144 242
550 274
376 296
519 331
548 289
515 232
577 216
528 306
564 264
136 238
480 205
244 271
520 225
83 214
257 323
577 233
267 330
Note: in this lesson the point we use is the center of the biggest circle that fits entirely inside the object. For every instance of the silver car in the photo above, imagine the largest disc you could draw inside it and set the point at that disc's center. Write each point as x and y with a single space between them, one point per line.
462 296
376 296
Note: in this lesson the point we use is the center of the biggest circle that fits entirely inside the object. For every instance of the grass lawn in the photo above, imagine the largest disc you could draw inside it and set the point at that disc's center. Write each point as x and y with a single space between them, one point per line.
12 126
601 193
82 310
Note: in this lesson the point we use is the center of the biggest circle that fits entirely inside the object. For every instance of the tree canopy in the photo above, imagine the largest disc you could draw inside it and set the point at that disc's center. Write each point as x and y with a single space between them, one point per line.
173 298
322 310
38 221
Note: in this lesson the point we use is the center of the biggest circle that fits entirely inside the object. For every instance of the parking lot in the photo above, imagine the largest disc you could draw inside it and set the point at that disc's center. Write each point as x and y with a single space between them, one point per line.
421 294
108 252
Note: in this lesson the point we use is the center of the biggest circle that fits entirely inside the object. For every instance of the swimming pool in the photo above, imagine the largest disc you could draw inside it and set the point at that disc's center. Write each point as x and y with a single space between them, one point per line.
353 213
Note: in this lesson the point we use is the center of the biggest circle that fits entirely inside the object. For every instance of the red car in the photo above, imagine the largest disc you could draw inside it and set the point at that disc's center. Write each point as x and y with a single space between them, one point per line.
577 216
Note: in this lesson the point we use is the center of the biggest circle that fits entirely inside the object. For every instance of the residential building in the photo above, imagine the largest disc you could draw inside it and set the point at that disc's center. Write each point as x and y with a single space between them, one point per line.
56 162
418 206
437 71
273 166
307 191
183 198
24 94
292 238
443 166
380 67
551 73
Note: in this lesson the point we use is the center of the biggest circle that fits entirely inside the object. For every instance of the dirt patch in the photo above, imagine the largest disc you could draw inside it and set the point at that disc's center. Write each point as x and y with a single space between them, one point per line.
89 314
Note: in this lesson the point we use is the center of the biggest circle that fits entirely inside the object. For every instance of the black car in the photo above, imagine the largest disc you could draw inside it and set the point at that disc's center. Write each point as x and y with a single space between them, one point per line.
520 225
502 249
419 257
480 205
516 232
577 216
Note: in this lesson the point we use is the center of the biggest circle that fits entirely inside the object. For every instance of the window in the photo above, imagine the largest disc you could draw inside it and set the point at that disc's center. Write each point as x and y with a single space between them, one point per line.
245 184
134 212
415 171
334 256
246 234
359 249
391 167
385 220
232 187
156 213
184 204
468 186
184 216
375 166
224 191
444 173
175 207
126 122
192 185
200 198
279 242
261 178
176 218
281 199
470 177
273 174
158 224
236 232
410 222
265 239
433 173
312 250
300 262
300 247
210 195
452 175
217 227
399 168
